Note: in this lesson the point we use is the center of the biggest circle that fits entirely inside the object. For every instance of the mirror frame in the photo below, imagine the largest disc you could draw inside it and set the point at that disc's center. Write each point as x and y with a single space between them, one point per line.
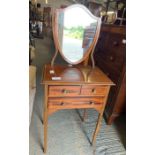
91 48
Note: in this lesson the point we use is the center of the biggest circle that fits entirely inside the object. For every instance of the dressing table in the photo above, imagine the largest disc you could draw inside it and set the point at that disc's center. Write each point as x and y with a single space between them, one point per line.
76 85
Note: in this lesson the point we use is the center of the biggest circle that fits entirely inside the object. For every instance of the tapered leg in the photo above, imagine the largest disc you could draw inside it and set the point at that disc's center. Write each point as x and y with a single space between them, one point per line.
45 131
84 115
100 117
97 128
45 119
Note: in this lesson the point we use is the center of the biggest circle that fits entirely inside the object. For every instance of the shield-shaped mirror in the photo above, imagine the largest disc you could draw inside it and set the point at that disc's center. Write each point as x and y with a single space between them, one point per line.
75 32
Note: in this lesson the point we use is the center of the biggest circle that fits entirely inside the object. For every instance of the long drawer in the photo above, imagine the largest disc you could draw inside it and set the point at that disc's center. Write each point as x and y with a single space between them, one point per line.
79 101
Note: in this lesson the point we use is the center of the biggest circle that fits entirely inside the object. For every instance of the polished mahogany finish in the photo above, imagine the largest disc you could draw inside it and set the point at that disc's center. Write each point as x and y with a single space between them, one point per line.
63 91
85 87
110 57
93 90
75 75
80 86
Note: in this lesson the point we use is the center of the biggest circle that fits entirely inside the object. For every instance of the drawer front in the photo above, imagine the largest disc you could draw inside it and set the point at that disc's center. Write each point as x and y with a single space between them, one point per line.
111 50
94 90
73 102
116 42
54 91
115 59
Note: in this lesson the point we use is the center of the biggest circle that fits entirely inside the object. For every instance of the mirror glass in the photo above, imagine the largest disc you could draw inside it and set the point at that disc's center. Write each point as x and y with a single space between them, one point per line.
76 32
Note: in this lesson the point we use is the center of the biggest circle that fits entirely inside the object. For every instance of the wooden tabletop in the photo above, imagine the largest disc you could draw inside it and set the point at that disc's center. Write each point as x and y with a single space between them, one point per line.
74 75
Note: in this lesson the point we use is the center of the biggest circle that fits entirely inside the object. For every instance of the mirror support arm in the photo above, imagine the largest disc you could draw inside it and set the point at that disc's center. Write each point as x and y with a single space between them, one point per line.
54 57
92 58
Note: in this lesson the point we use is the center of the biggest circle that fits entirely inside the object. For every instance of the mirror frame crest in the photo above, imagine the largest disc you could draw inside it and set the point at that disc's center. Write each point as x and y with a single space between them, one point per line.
89 51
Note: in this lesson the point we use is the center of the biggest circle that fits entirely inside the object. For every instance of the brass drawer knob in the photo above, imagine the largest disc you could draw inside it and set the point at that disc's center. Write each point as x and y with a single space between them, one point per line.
115 43
64 91
93 90
62 103
111 58
91 102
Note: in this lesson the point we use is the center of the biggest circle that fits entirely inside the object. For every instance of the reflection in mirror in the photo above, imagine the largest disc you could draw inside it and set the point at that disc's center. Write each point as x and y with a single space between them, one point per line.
76 31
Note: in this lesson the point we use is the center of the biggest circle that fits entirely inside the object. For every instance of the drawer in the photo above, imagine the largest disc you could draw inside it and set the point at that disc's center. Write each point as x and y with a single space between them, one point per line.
54 91
94 90
113 65
115 59
75 102
115 41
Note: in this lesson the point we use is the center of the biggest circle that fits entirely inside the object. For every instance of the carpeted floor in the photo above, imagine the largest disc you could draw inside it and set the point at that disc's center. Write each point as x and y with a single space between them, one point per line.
67 134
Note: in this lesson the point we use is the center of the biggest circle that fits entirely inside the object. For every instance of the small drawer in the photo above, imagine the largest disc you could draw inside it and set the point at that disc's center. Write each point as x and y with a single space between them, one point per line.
54 91
75 102
94 90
